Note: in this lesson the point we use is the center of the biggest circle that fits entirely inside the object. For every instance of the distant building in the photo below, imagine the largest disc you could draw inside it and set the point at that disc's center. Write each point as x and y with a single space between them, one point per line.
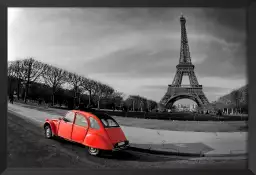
186 107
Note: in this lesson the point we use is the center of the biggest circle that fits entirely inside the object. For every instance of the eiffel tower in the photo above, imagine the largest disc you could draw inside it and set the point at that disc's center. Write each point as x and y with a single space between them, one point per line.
176 91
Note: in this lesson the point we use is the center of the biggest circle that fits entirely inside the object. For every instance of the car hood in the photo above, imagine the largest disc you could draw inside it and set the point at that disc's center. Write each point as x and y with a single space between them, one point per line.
116 135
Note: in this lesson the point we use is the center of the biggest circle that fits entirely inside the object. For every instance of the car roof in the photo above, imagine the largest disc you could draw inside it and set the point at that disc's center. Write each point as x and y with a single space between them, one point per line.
98 114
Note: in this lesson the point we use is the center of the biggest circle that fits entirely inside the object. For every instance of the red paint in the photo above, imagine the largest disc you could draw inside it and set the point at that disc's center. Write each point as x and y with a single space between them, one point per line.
79 133
116 135
101 138
65 129
97 140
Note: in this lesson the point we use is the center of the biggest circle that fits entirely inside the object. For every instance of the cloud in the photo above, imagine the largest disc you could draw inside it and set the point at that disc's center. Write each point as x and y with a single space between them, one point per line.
133 48
212 93
155 88
211 56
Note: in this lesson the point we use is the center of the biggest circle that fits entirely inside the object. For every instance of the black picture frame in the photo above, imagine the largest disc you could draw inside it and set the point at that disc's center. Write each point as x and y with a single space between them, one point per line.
250 7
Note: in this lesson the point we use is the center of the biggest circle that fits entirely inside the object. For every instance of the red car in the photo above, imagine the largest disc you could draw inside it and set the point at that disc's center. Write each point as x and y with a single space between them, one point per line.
96 130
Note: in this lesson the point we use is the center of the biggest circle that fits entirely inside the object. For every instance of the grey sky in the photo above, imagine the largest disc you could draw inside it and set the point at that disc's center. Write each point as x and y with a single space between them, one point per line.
135 50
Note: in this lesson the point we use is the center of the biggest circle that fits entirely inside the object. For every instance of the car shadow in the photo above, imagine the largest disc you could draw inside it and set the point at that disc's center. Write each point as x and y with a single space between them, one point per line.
128 155
125 155
121 155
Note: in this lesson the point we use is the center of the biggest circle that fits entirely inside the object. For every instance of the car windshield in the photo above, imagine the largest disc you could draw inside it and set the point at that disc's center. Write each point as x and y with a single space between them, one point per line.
107 121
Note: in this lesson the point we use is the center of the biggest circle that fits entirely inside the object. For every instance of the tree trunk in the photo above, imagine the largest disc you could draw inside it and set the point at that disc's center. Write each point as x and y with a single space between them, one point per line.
99 104
90 96
74 103
10 86
75 90
53 99
10 91
18 90
26 93
27 83
53 95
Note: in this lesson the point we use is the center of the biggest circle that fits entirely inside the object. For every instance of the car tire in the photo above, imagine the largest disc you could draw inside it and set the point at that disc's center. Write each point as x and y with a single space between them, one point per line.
94 151
48 132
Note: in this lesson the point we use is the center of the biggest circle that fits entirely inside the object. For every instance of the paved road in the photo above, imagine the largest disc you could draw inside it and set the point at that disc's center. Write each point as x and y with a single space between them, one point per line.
27 147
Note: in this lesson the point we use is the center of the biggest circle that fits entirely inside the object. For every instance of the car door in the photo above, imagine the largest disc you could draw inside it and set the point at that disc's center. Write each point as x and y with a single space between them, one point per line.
66 125
80 128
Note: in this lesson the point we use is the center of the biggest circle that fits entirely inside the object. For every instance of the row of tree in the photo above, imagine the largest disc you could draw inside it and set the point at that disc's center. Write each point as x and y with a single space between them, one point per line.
138 103
27 75
236 99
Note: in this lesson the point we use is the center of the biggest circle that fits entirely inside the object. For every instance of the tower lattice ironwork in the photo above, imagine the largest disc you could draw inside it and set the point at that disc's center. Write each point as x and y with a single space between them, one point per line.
176 91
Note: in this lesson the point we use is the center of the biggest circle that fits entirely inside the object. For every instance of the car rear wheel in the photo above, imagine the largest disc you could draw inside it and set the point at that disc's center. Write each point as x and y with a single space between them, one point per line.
48 132
93 151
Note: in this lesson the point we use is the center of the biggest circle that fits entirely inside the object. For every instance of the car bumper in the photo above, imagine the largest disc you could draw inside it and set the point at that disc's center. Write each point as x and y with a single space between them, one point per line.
120 148
123 147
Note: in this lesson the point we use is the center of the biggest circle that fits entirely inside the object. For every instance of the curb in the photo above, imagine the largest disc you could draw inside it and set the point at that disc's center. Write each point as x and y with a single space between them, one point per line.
184 153
166 152
226 155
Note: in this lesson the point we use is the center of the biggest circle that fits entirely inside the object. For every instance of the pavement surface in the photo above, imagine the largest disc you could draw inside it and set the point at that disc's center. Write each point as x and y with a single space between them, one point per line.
27 148
159 141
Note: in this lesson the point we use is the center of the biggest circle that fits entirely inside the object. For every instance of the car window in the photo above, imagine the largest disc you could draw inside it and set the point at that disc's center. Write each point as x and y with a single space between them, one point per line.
81 120
107 120
69 117
108 123
94 124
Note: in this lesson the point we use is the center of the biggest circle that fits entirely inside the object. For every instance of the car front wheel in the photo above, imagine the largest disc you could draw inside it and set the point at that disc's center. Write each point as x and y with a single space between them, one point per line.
93 151
48 132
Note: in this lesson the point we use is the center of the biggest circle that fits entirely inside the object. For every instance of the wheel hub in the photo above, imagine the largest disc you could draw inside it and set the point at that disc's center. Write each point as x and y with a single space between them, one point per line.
48 132
93 150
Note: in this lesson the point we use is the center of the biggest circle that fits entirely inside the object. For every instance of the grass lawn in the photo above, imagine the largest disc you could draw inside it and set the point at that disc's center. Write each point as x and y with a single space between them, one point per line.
198 126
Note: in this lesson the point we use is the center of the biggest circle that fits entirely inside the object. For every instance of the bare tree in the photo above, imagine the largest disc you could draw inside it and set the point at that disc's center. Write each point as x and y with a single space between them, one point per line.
11 74
76 81
11 69
18 75
137 102
108 91
151 105
129 103
103 91
117 98
89 86
30 72
143 103
236 97
55 78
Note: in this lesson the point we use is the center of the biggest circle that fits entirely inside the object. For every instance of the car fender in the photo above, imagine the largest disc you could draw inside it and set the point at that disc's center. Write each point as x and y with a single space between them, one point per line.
52 125
95 140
